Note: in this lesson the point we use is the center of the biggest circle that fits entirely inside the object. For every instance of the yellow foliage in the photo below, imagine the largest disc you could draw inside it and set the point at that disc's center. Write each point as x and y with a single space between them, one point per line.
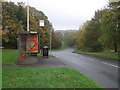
2 32
81 38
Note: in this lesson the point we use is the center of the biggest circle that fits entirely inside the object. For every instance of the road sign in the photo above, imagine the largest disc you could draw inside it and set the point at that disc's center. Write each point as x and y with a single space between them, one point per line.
41 22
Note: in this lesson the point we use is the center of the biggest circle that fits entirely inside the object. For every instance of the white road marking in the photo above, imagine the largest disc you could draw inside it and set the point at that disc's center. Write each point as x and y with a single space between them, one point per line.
110 64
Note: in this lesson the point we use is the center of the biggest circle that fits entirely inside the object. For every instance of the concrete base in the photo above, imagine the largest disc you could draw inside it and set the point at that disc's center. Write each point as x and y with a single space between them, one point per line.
29 60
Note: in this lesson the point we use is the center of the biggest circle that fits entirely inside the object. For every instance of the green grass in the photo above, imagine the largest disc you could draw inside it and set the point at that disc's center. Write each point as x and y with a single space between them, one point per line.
99 54
46 78
9 58
59 49
40 55
0 58
10 49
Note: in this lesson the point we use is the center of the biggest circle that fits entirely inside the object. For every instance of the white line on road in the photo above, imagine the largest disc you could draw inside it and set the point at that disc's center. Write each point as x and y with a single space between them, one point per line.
110 64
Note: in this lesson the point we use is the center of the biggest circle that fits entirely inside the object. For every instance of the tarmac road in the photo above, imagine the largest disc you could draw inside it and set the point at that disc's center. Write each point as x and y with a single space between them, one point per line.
102 71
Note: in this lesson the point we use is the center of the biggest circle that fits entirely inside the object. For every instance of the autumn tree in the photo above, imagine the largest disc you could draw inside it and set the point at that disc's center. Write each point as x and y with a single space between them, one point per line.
10 24
80 40
15 19
89 34
110 27
56 40
70 39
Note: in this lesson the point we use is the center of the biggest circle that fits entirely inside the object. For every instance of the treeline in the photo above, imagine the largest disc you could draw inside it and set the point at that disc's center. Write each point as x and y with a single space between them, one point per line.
102 32
14 18
67 37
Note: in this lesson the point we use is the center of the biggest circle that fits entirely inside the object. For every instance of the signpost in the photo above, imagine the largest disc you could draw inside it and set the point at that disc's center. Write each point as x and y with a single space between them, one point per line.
41 23
28 16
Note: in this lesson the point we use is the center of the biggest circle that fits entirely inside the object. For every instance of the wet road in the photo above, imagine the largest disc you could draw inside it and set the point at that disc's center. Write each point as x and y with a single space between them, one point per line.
102 71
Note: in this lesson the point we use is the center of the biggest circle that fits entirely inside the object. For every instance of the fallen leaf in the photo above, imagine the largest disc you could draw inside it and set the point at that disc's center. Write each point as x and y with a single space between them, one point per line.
87 86
26 83
69 77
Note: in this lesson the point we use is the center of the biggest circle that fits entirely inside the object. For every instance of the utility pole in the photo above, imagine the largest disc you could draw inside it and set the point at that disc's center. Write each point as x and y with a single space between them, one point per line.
50 37
28 15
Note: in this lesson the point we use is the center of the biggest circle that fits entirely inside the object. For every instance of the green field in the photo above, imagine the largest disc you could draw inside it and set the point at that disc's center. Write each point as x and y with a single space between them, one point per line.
46 78
10 57
99 54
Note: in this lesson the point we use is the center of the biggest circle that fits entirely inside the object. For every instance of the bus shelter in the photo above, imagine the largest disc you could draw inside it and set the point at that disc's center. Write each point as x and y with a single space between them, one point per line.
28 44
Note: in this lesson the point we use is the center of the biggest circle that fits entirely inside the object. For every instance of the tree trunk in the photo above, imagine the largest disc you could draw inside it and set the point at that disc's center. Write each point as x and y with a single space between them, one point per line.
115 47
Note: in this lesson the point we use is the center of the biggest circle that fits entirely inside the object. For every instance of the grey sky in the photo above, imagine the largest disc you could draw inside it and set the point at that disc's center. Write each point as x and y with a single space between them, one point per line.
67 14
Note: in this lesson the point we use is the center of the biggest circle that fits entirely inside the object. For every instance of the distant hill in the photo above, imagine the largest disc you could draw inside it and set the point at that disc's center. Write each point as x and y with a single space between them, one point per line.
65 31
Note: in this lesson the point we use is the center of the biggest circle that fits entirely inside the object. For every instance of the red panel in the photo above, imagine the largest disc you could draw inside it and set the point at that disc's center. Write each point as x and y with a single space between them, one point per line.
23 57
32 43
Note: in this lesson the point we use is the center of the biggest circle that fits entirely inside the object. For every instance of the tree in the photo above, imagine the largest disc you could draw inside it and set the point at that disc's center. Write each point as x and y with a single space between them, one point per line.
89 34
109 26
10 24
70 39
81 39
56 40
15 19
21 14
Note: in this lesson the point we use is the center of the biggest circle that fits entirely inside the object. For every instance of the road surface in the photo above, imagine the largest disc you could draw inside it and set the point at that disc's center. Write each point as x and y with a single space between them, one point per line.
102 71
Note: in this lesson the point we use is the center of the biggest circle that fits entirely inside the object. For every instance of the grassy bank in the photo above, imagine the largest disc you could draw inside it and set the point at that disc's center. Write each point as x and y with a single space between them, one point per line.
9 57
99 54
46 78
59 49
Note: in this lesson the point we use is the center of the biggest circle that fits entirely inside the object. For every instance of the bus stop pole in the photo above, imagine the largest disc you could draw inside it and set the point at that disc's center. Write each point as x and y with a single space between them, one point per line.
28 15
50 40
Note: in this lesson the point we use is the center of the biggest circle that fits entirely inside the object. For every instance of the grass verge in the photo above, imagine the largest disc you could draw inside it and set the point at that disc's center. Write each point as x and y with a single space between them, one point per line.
0 58
10 58
59 49
46 78
9 50
99 54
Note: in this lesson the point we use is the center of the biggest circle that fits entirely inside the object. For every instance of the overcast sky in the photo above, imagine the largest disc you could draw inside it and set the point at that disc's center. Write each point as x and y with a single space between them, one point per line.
68 14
